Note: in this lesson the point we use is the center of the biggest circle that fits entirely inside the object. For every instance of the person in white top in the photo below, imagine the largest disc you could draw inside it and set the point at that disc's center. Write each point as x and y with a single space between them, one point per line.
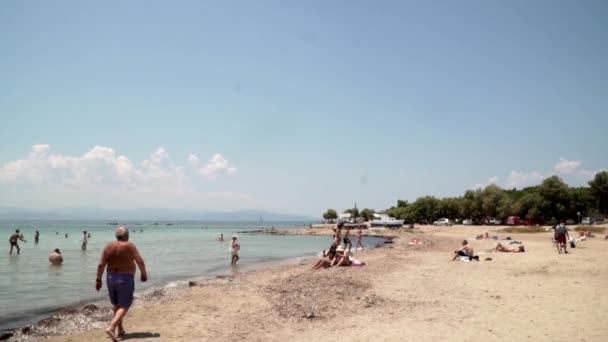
234 250
85 239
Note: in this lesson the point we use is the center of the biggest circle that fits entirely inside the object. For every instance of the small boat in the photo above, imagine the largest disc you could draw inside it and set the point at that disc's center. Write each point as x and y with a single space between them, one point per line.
385 221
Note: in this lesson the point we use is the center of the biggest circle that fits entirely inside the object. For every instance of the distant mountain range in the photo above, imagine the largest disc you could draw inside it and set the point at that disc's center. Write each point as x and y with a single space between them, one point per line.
88 213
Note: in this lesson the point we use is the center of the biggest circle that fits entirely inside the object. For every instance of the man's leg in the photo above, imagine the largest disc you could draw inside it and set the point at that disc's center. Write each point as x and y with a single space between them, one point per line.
116 321
18 249
121 329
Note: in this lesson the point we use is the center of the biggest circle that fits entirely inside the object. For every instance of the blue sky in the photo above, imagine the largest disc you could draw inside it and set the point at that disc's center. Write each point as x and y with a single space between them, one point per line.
296 106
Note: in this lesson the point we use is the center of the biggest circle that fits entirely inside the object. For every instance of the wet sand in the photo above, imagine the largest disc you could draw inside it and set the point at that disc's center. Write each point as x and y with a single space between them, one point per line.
406 292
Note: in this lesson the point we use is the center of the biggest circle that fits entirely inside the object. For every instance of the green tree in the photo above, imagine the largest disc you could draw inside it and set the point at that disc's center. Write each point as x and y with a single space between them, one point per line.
490 198
330 215
555 198
599 191
426 209
367 214
354 212
449 207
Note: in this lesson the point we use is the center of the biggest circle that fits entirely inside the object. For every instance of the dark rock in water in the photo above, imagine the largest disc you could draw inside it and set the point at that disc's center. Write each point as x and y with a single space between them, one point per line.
5 335
26 330
192 283
158 293
388 241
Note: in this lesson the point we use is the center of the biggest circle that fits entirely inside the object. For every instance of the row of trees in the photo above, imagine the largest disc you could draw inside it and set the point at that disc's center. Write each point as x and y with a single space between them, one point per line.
550 201
367 214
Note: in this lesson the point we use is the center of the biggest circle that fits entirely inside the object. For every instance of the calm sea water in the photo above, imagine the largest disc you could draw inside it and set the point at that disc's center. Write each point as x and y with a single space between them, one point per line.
30 287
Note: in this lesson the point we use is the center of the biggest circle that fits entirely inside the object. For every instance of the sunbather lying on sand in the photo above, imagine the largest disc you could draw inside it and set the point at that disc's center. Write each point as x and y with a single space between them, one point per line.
501 248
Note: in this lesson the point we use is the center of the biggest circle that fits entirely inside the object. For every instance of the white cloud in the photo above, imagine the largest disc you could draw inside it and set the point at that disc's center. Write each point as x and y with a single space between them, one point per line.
521 179
217 166
101 176
193 159
571 170
492 180
565 166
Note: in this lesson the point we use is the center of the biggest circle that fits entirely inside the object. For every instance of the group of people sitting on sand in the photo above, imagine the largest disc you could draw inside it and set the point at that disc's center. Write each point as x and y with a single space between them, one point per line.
466 251
338 254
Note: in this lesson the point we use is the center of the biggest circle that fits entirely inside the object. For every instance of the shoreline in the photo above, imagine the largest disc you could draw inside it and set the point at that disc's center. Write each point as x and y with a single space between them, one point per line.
48 323
404 290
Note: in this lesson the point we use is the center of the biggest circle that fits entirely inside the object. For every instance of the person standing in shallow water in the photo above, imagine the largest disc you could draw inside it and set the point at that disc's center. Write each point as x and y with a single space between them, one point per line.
14 239
56 258
234 250
85 239
36 237
120 257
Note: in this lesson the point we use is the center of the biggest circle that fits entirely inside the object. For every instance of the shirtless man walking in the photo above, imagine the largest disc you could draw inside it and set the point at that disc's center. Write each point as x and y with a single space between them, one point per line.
120 257
359 243
13 241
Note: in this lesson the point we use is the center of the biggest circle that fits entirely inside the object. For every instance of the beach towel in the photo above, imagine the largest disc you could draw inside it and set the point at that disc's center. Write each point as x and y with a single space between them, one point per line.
356 263
414 241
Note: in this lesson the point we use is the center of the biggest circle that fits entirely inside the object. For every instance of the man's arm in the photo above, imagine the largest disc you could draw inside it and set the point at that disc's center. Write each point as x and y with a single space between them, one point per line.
100 268
140 263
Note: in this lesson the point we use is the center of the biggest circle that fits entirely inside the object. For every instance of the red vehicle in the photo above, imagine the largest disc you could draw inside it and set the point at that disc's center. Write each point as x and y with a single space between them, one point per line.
532 222
514 221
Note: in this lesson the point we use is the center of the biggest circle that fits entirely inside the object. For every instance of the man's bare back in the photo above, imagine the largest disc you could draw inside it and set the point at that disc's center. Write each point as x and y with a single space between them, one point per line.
121 257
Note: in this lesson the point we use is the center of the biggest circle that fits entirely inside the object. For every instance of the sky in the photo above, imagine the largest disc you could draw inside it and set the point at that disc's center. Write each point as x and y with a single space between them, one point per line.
296 106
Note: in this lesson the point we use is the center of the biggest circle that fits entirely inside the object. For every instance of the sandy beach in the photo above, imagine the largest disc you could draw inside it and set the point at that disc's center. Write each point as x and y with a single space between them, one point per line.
406 292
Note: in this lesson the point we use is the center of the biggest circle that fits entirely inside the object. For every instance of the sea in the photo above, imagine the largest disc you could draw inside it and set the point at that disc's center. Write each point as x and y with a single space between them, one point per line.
31 288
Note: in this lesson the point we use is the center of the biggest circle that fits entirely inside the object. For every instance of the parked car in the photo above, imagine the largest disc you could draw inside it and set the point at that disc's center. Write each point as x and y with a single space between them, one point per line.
588 220
467 222
442 222
493 221
532 222
513 221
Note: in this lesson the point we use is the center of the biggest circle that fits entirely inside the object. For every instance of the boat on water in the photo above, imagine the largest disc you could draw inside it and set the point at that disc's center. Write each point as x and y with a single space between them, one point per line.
384 221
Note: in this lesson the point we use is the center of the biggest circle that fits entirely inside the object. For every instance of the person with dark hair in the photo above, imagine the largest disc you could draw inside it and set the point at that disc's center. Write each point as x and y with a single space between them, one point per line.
14 239
347 240
120 257
56 258
85 239
464 251
36 237
561 237
326 260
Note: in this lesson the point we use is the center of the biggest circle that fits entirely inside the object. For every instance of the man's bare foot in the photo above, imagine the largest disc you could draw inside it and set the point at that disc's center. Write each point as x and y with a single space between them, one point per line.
110 334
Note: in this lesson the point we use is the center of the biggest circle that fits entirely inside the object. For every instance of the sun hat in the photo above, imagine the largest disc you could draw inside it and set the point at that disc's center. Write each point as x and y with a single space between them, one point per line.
340 248
234 236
